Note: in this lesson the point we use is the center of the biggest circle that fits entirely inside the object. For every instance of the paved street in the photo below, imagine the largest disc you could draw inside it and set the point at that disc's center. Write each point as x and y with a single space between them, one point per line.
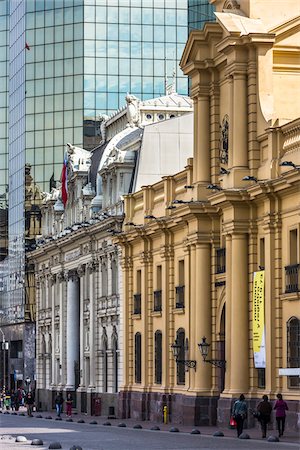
99 437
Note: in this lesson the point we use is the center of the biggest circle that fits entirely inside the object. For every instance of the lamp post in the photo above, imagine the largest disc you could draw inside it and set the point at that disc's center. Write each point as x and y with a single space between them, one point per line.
176 349
204 349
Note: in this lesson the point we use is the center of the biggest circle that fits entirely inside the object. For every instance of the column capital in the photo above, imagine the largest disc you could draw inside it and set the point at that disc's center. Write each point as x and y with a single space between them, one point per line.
60 276
71 275
81 270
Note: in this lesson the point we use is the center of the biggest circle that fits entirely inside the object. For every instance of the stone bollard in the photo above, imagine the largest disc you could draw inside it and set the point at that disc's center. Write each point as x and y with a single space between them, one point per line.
55 445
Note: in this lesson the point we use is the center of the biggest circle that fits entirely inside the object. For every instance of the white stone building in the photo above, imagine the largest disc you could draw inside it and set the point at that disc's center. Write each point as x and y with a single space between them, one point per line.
79 289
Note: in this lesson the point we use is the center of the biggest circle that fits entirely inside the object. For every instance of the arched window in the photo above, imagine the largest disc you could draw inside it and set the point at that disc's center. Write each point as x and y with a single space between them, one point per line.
114 276
158 357
293 348
105 361
180 337
138 357
114 346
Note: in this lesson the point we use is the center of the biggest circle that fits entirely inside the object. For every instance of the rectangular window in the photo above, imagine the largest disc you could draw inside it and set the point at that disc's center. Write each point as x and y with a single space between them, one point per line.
262 254
261 378
179 290
294 246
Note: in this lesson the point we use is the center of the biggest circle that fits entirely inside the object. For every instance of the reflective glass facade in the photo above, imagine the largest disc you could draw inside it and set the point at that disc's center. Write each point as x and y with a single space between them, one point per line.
199 12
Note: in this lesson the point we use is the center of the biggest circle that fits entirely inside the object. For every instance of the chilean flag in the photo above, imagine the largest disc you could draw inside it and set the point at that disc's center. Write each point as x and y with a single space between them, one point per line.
64 181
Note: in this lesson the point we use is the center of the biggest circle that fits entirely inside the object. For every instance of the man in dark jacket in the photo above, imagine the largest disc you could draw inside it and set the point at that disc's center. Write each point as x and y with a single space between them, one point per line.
265 409
29 402
59 403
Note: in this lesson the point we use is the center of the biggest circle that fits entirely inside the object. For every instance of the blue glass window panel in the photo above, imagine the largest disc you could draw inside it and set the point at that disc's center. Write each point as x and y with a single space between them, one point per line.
136 50
122 96
49 35
101 66
159 17
159 86
78 83
77 132
78 14
136 84
68 118
59 51
68 84
58 137
124 32
124 49
78 49
89 65
59 34
68 49
48 157
101 31
68 135
147 33
124 66
147 67
124 83
49 69
89 83
29 71
49 18
39 52
29 21
170 34
147 14
136 15
159 68
49 120
89 48
39 70
112 32
101 48
89 13
112 14
112 66
123 15
147 84
101 100
30 122
136 33
136 67
147 50
182 34
77 118
89 31
78 100
159 33
40 19
30 139
170 16
39 36
89 100
78 66
180 48
101 84
113 83
68 31
39 138
29 105
39 104
68 12
68 66
59 15
49 52
112 49
171 53
159 50
101 14
182 17
112 100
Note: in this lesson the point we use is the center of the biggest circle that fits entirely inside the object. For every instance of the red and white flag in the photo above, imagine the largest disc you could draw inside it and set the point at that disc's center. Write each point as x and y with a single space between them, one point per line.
64 181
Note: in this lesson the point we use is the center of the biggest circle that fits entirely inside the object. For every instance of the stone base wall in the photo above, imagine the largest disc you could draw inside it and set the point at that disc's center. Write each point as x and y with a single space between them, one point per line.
182 409
194 411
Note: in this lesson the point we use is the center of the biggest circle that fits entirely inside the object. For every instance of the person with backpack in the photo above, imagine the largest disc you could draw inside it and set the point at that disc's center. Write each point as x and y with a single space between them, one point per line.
29 402
239 413
264 408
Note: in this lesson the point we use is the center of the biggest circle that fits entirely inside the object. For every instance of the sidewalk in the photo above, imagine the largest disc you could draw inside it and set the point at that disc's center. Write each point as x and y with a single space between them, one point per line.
254 433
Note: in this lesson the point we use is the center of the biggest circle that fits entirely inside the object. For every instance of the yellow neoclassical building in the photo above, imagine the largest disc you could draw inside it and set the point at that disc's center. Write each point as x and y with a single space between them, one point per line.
214 251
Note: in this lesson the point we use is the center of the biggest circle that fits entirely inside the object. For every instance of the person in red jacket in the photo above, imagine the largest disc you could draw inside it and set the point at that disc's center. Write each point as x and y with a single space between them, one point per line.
280 407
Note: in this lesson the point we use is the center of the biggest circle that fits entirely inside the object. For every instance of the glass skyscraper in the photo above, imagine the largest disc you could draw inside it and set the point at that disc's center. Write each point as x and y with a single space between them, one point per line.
63 63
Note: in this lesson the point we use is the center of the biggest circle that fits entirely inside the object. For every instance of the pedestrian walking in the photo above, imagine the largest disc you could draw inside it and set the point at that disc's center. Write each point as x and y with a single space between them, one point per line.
69 403
239 413
7 400
264 408
29 402
281 407
59 403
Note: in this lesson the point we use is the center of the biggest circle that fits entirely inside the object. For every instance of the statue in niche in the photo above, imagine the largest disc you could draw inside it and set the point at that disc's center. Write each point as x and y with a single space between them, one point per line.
224 140
132 110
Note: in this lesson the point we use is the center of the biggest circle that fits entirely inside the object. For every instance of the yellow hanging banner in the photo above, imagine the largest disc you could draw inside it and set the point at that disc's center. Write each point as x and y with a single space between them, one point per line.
258 320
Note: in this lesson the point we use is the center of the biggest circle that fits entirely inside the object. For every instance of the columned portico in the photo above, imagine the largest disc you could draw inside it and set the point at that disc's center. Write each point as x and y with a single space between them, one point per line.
72 327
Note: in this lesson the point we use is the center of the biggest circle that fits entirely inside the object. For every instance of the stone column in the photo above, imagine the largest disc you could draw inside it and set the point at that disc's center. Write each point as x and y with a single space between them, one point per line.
228 314
202 139
62 326
83 275
239 336
53 293
92 294
203 312
72 327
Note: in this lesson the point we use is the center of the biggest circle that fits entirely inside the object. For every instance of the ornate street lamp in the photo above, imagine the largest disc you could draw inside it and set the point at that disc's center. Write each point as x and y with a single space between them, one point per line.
177 349
204 349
